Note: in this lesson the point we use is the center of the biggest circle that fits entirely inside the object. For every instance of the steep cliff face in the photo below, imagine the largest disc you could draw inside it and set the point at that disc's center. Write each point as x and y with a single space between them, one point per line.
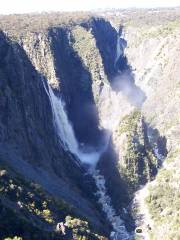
29 143
157 73
117 93
152 51
76 63
137 161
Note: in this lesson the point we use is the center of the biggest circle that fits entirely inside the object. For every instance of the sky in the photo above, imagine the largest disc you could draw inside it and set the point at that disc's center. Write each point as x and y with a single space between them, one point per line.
26 6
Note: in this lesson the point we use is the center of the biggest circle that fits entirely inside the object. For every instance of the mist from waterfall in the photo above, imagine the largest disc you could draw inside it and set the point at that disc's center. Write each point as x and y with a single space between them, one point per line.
124 80
122 95
88 155
67 138
65 132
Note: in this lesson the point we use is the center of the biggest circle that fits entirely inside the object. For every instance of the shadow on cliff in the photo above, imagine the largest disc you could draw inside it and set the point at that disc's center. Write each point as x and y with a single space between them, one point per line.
106 41
21 98
121 78
111 45
146 158
27 132
24 107
117 188
76 88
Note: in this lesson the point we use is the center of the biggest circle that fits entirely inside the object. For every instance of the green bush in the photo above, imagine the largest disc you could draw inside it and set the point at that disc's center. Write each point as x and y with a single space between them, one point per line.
33 211
163 202
139 162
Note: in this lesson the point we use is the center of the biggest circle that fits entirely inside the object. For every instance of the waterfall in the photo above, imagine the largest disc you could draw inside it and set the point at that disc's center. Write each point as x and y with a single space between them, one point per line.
65 131
67 138
120 46
118 50
61 122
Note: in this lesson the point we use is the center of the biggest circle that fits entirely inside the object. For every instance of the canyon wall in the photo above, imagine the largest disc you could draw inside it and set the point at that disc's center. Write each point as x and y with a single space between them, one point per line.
116 91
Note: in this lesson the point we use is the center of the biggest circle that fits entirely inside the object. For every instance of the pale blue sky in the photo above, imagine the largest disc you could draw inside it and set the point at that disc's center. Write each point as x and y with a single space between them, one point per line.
24 6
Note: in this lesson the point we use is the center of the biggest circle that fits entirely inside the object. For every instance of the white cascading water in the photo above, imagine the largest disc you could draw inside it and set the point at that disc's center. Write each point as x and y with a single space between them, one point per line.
67 138
65 131
121 44
119 50
119 230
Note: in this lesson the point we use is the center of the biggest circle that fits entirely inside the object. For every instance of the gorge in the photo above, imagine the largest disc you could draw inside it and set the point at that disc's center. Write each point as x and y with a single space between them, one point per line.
89 120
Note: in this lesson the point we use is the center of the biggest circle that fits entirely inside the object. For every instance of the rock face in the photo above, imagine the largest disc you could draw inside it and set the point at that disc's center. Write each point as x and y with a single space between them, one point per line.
137 161
29 143
152 51
73 66
120 90
159 79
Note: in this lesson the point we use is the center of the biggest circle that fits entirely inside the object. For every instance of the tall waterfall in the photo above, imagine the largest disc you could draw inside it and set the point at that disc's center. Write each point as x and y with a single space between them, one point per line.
119 50
62 124
121 45
66 135
65 131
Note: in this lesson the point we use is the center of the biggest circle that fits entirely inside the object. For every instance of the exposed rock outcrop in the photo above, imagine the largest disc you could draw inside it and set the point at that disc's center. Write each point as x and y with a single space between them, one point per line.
120 90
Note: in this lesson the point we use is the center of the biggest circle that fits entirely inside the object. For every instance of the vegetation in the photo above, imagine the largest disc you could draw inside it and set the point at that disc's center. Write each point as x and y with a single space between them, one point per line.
14 238
129 122
80 229
20 24
144 17
28 212
164 202
84 44
139 163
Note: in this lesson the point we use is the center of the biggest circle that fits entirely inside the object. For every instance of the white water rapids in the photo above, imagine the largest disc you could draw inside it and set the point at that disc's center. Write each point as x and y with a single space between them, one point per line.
67 137
119 230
